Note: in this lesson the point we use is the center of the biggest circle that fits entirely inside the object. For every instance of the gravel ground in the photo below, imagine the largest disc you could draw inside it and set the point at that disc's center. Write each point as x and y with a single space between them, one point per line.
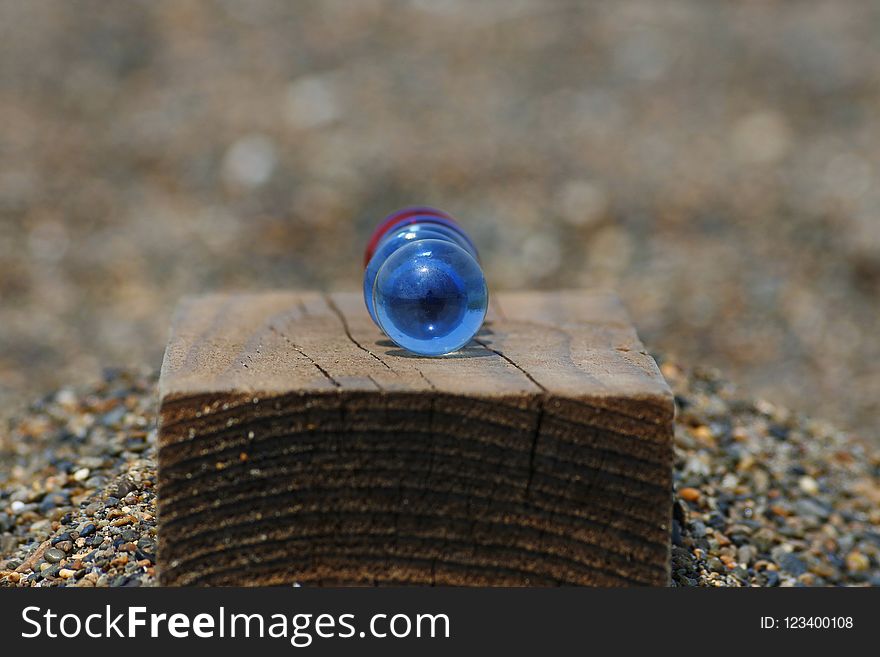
764 496
77 477
768 497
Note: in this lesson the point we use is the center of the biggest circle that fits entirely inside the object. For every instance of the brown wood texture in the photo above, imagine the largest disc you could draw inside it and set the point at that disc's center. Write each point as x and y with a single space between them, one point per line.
298 444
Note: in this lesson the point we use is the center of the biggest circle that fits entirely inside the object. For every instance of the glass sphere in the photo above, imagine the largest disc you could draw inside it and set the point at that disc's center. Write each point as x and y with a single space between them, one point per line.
430 296
393 241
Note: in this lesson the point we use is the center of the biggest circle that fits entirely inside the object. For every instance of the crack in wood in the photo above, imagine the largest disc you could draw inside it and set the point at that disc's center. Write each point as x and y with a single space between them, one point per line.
301 352
535 437
332 305
540 419
427 380
512 362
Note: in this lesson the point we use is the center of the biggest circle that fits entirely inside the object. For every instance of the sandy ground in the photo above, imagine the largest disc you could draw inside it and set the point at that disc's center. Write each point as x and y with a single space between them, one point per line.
715 162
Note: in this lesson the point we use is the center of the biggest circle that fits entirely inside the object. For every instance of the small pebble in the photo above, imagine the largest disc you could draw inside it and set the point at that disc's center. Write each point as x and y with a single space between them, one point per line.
54 555
771 578
715 564
792 564
808 485
689 494
857 562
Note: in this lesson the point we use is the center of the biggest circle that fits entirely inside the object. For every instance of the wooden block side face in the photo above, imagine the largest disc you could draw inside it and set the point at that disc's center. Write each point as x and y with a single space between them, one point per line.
354 488
295 446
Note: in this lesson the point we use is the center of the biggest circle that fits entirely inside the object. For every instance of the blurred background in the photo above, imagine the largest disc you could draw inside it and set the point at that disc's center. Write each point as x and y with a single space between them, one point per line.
715 162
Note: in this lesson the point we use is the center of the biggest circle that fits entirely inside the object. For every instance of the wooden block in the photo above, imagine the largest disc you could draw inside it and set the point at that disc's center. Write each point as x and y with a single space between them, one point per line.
298 444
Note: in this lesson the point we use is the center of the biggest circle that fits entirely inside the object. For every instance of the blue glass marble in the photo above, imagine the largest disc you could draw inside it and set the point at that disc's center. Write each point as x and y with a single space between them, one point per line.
396 239
429 295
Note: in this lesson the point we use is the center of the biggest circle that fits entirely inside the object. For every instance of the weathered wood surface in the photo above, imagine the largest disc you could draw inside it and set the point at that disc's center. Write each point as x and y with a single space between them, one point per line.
297 443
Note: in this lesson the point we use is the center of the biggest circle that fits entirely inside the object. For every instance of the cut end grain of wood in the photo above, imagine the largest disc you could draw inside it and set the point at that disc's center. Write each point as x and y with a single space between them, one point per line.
297 444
